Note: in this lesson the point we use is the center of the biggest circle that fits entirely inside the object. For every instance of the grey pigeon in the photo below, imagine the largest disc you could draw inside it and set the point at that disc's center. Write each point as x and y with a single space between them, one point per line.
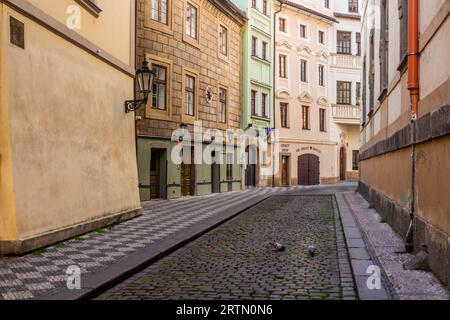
277 246
312 250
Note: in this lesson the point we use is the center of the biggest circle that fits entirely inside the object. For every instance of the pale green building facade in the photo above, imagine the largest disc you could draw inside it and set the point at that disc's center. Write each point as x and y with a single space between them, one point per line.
257 78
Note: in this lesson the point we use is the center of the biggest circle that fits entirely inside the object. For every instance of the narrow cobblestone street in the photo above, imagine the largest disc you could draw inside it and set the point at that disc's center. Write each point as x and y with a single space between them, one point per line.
236 261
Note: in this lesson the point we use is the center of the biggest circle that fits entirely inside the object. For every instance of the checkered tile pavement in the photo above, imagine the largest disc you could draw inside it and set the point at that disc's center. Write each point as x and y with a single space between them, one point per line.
30 276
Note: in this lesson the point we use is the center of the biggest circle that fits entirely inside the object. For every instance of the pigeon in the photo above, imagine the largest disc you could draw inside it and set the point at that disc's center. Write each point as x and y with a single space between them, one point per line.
312 250
277 246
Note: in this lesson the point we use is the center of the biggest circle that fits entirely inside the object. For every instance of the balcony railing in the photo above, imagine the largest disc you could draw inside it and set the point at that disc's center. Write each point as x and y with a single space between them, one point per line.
349 114
345 61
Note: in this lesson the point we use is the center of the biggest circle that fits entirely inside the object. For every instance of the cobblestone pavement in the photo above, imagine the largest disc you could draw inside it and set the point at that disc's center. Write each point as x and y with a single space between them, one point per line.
235 261
389 250
32 275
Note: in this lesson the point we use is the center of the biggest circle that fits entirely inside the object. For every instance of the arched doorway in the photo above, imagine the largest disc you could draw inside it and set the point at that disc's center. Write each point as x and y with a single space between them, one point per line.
251 153
308 170
342 164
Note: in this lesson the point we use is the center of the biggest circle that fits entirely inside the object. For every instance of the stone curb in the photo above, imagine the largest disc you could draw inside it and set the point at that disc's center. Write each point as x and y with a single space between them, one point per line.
361 254
93 284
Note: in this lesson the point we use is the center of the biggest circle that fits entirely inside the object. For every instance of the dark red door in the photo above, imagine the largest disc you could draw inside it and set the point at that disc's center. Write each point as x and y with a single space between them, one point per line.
308 170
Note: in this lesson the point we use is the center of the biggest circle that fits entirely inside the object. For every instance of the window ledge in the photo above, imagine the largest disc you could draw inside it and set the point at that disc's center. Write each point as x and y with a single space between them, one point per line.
90 6
261 59
260 118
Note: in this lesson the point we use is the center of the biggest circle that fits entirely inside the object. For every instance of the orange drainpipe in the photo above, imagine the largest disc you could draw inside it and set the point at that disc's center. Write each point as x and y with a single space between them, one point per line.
413 87
413 56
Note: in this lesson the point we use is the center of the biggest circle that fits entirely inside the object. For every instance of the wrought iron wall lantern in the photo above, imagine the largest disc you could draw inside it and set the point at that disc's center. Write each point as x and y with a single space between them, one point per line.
145 78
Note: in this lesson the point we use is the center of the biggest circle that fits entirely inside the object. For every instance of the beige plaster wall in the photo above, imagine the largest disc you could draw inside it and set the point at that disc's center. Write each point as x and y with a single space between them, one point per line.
72 145
432 183
8 229
389 174
110 31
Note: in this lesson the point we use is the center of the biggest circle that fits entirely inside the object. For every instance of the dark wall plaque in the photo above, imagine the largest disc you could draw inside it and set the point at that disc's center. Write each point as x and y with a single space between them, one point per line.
17 32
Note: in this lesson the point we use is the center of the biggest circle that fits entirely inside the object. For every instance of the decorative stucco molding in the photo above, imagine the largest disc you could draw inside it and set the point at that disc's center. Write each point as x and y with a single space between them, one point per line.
323 53
283 93
305 97
305 49
284 44
323 101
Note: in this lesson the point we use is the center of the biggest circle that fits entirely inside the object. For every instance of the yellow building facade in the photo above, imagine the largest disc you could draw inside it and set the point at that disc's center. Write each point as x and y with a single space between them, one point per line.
405 162
67 148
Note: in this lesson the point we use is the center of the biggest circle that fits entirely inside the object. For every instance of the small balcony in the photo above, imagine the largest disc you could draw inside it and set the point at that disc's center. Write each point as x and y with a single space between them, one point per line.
345 61
346 114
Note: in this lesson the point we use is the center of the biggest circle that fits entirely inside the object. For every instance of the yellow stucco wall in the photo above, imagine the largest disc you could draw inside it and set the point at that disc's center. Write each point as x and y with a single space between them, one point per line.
8 229
110 31
72 145
432 183
389 174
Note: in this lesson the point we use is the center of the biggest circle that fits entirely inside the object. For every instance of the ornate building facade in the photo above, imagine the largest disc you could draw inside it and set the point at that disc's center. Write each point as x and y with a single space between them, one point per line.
194 47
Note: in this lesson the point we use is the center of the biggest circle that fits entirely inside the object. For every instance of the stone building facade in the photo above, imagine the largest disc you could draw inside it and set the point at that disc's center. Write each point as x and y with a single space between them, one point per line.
67 147
195 48
405 153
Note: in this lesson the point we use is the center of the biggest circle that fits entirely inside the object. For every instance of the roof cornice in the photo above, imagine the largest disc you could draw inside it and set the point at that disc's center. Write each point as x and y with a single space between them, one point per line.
310 11
230 9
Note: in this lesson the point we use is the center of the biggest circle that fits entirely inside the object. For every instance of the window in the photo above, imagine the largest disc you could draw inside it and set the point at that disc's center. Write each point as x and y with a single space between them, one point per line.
223 105
344 92
322 124
254 46
223 40
253 102
321 75
265 106
326 4
358 43
355 160
189 102
372 70
305 118
303 31
344 42
191 21
282 24
303 66
358 93
321 37
265 7
284 115
353 6
229 166
254 4
364 90
283 66
384 46
403 16
159 11
265 54
159 92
